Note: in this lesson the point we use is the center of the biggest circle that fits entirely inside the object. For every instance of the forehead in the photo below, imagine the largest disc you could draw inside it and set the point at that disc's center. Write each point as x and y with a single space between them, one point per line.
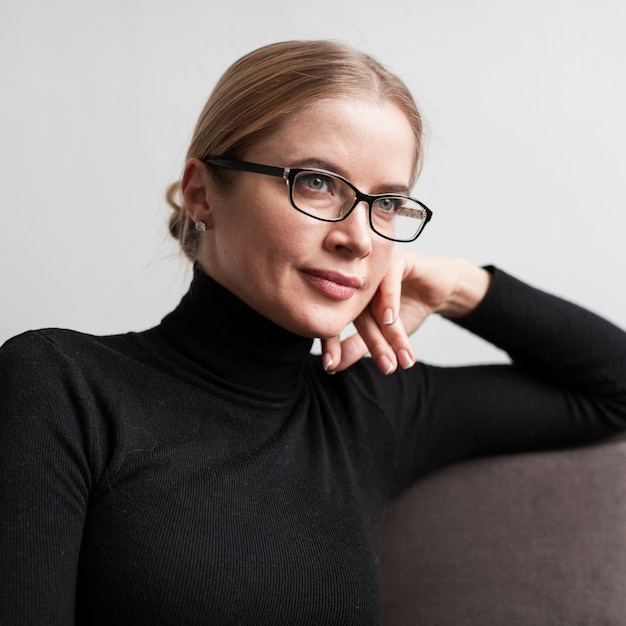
362 139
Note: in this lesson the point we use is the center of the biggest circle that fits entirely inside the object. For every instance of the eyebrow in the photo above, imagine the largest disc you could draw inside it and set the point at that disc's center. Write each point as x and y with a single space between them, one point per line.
330 167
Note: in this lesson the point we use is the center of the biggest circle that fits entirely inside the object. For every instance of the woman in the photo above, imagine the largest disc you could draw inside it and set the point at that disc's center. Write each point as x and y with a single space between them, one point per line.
209 471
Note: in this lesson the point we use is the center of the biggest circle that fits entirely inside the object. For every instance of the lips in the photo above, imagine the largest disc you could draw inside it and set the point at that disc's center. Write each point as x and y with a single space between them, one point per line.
333 284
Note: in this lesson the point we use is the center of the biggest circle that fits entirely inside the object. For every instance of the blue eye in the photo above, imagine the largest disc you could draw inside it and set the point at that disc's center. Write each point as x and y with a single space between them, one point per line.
315 182
388 205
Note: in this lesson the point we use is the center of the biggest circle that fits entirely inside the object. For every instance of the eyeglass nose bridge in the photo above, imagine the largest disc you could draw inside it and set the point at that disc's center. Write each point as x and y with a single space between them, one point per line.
356 199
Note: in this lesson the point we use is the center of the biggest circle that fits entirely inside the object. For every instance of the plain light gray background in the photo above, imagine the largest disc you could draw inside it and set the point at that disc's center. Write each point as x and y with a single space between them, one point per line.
525 164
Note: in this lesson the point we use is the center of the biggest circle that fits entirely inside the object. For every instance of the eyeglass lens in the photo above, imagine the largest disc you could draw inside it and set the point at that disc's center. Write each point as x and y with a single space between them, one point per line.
330 198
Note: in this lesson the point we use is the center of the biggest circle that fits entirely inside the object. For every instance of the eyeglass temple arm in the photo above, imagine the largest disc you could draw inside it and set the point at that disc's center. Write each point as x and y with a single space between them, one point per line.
244 166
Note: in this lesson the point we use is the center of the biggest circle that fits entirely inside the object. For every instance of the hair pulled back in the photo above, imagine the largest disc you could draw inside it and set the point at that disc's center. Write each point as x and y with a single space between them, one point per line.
264 87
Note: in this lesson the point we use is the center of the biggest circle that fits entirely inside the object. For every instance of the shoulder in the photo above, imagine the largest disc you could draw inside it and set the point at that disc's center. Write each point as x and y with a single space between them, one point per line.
56 365
35 349
53 411
34 365
61 383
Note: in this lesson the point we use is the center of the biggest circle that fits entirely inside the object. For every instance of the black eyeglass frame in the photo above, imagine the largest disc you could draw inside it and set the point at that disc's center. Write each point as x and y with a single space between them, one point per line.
289 174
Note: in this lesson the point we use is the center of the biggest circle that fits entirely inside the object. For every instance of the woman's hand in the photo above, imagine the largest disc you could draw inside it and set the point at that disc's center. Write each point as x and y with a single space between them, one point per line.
414 286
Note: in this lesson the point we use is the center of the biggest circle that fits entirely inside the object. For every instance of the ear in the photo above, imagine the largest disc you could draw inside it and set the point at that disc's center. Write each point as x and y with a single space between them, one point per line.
196 190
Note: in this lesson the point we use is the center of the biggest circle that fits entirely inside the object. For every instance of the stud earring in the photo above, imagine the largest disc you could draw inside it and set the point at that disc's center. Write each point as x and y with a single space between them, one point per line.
200 226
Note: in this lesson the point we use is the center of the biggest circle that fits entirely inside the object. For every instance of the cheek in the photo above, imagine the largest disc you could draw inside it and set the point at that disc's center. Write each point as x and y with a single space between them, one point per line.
239 229
267 247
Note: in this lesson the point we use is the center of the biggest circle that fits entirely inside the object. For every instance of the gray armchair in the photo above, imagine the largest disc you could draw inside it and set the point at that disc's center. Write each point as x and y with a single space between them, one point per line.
527 540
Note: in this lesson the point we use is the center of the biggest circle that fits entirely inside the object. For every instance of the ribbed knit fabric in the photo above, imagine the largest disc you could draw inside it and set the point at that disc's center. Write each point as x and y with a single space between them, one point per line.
208 471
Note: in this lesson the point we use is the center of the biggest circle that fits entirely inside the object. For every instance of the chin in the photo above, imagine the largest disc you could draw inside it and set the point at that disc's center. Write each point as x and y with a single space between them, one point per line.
315 331
324 328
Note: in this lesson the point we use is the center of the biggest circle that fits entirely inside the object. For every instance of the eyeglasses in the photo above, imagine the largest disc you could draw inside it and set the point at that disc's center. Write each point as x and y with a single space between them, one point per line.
329 197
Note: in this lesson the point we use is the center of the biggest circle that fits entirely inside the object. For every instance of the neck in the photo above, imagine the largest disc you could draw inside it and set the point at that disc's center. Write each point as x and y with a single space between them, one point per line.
227 339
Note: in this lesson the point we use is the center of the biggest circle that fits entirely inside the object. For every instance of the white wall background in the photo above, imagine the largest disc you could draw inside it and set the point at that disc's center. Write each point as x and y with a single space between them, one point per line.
525 163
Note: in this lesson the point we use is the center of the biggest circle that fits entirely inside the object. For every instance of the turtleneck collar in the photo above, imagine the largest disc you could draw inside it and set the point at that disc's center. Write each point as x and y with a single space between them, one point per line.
230 341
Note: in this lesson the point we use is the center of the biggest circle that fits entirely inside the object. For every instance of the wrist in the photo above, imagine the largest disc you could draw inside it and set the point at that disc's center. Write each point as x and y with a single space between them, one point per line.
472 285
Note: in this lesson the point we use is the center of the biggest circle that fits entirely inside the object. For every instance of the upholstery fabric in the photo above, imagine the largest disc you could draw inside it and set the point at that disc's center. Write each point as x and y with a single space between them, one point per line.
531 540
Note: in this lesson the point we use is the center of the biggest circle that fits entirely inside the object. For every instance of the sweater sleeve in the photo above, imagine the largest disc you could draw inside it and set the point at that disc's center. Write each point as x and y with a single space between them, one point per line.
44 482
565 386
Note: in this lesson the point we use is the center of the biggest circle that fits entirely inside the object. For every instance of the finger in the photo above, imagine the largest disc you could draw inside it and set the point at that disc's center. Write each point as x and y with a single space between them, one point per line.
396 336
372 335
389 346
385 305
353 348
331 354
390 340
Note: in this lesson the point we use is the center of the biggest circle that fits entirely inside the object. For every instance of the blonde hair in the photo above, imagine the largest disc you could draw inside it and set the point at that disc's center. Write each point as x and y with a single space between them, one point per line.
267 85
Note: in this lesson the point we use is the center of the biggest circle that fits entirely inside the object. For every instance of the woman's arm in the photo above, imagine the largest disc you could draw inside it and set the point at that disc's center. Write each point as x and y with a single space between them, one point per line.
44 483
566 384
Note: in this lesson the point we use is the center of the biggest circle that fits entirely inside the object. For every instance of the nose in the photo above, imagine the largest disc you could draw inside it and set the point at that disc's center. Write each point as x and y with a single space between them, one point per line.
353 234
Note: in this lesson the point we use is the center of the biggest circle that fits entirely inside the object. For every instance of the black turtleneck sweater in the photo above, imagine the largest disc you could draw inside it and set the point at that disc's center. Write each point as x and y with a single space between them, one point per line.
208 471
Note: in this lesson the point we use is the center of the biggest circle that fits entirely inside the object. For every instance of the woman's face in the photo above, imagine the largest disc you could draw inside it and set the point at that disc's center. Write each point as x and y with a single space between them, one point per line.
310 277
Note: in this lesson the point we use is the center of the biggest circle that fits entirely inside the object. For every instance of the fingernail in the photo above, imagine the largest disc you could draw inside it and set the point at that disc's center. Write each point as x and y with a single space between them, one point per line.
385 365
327 361
388 317
405 359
